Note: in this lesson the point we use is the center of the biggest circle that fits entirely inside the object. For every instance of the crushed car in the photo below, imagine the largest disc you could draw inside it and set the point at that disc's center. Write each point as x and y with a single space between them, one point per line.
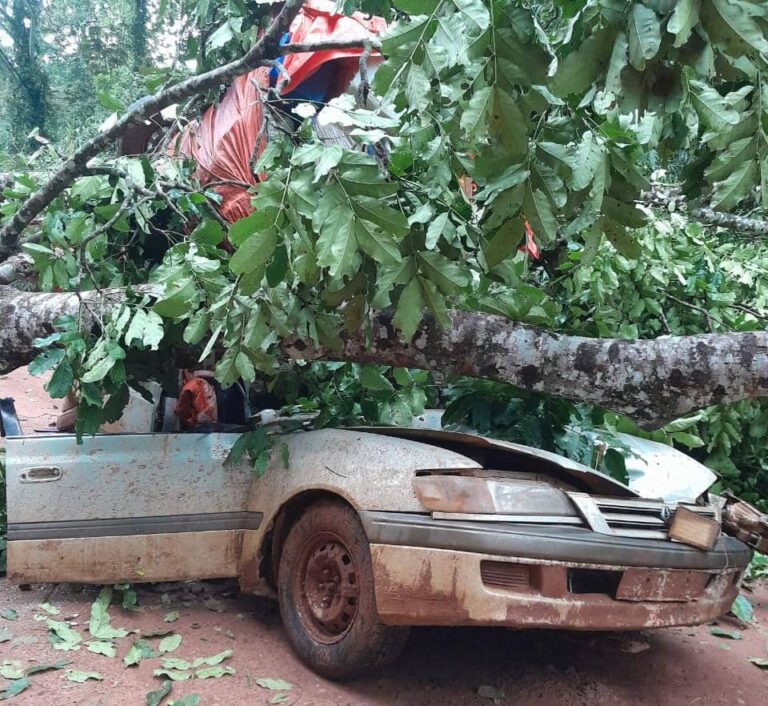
361 533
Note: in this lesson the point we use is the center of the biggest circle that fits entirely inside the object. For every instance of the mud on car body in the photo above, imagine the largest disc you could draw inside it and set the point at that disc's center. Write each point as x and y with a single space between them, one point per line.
363 533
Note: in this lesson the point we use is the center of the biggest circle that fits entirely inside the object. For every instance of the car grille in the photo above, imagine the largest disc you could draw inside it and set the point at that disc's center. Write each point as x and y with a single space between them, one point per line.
647 519
505 574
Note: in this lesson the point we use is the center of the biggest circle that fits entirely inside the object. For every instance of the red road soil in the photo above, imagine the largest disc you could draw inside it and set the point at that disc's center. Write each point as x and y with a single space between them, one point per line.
440 667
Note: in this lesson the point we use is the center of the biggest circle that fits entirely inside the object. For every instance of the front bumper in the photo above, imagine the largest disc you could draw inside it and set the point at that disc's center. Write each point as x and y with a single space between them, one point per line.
439 572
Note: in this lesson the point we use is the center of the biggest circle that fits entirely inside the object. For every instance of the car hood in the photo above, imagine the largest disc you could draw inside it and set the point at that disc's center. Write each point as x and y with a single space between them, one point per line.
536 460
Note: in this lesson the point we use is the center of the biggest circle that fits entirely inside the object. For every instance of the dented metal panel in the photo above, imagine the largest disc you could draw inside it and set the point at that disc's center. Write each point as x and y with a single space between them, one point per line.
419 586
157 557
124 475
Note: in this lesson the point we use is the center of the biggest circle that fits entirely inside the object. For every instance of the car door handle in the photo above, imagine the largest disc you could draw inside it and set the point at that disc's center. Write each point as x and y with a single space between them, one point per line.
41 474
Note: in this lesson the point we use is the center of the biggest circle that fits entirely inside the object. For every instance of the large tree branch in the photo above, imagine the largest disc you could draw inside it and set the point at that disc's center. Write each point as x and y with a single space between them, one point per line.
266 47
652 381
262 53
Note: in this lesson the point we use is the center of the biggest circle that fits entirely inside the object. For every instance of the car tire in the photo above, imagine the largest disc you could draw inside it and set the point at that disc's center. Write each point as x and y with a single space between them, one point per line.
326 595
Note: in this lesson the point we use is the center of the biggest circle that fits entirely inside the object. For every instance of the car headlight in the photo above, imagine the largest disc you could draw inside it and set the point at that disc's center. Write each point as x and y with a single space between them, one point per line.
491 495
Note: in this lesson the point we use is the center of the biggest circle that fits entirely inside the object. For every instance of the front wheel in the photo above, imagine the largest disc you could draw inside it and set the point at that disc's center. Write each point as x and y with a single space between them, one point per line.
326 592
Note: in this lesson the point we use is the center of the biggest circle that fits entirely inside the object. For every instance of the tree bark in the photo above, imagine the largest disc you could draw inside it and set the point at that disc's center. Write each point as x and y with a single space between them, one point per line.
651 381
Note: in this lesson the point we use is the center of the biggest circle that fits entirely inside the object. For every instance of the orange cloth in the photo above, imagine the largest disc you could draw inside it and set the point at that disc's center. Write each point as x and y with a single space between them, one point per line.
197 402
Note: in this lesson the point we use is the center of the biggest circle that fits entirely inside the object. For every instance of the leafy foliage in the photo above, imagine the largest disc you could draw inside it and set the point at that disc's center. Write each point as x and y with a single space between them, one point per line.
487 117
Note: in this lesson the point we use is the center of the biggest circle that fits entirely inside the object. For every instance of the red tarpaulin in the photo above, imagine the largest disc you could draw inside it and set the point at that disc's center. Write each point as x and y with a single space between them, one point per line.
229 135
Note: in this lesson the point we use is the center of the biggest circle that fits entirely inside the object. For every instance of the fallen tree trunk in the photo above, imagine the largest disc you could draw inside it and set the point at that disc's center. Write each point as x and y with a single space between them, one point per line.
651 381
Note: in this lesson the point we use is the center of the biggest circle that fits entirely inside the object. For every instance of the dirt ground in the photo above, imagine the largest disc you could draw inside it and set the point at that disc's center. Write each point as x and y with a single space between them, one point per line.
440 667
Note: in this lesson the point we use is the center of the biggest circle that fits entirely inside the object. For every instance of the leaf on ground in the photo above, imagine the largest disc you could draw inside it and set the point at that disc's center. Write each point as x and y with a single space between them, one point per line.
5 634
213 660
279 698
160 632
101 647
213 672
742 609
172 674
14 688
46 667
82 677
50 609
730 634
176 663
99 625
140 649
62 636
274 684
8 614
11 669
172 616
760 662
154 698
170 643
188 700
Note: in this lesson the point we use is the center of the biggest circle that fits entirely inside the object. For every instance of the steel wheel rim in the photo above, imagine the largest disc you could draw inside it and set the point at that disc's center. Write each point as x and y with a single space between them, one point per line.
326 588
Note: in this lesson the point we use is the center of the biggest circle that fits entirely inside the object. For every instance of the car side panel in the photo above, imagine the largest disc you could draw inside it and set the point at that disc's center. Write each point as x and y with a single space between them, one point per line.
370 471
125 507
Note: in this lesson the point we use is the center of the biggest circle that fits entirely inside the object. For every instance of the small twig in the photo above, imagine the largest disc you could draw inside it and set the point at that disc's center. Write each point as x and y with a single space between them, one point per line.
701 310
364 87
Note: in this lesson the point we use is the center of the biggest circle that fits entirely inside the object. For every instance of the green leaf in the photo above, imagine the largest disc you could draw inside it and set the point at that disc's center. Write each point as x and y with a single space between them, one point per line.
372 379
742 609
170 643
376 244
504 242
577 71
11 669
110 102
188 700
101 648
178 299
274 684
8 614
733 157
644 35
584 162
254 252
449 276
46 667
474 119
213 660
386 217
417 88
686 439
153 698
538 211
213 672
45 361
98 624
727 194
616 64
621 240
409 310
415 7
683 20
258 221
139 650
208 232
5 635
329 158
14 688
712 108
730 634
62 636
741 23
760 662
172 674
61 381
171 617
82 677
337 245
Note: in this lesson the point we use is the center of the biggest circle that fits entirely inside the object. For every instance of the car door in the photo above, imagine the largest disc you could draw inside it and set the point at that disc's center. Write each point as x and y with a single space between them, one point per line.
125 507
